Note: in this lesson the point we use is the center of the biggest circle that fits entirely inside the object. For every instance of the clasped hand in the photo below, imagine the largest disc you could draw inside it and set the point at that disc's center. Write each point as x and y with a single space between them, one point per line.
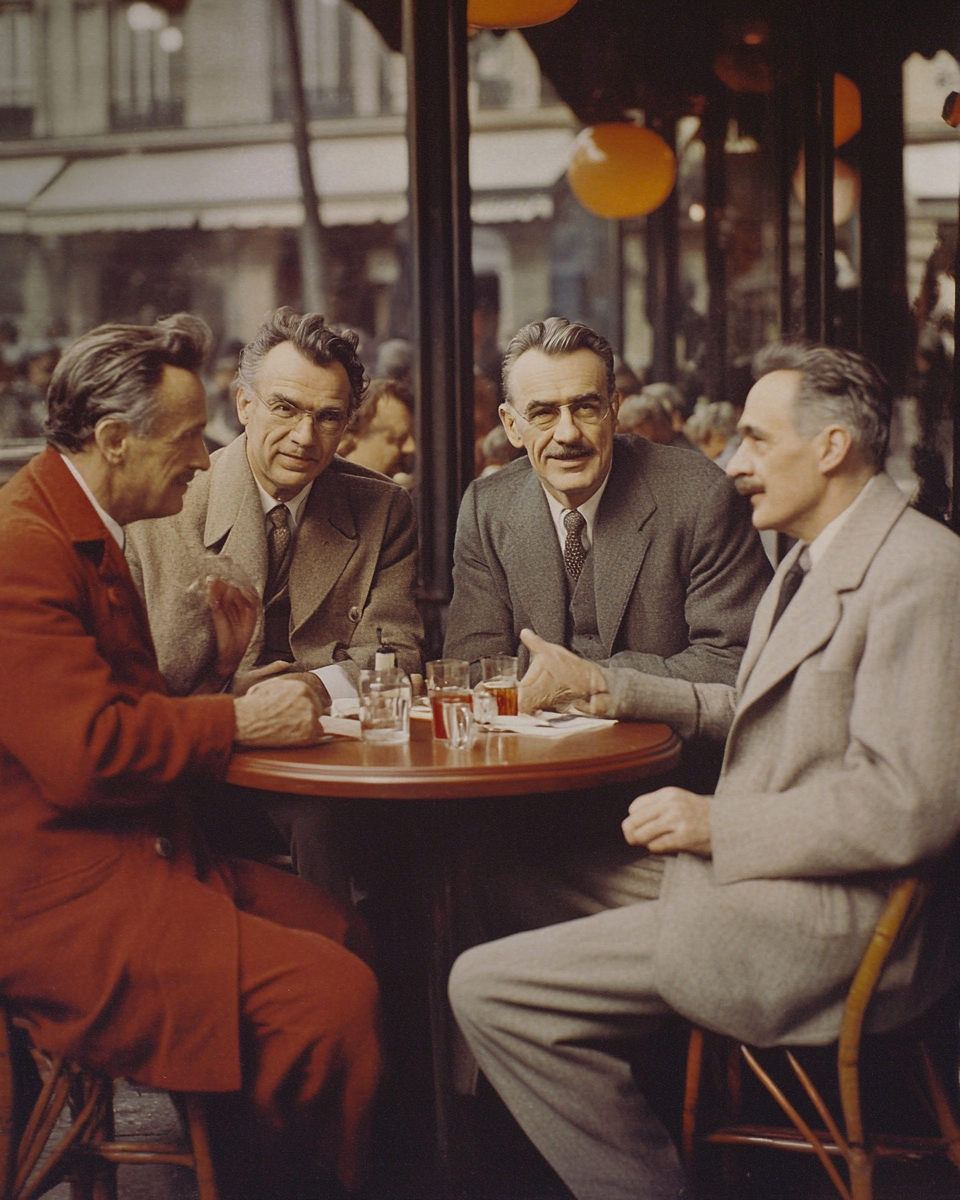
670 820
557 679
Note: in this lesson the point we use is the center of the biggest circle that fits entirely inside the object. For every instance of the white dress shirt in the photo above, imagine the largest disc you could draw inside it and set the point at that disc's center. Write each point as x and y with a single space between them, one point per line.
587 510
115 529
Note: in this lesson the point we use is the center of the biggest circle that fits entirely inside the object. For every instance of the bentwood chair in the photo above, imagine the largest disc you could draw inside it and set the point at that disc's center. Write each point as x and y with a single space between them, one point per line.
856 1146
37 1089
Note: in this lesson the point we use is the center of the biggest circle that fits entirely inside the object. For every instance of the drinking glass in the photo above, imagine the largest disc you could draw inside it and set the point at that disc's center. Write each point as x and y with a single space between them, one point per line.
460 725
500 680
447 679
384 707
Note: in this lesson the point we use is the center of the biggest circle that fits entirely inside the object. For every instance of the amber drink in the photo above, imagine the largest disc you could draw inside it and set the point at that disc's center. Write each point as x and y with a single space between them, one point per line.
447 679
500 680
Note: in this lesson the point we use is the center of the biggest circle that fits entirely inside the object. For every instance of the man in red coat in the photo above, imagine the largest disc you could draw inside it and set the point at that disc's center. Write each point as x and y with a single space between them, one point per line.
123 944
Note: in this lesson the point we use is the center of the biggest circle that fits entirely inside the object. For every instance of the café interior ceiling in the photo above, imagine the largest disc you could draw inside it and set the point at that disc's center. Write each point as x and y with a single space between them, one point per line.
608 57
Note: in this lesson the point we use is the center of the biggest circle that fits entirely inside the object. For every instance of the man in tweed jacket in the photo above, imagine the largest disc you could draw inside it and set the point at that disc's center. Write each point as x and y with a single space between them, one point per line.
842 769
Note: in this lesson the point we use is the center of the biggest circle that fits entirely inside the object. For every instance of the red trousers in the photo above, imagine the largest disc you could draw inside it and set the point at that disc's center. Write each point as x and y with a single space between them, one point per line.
309 1018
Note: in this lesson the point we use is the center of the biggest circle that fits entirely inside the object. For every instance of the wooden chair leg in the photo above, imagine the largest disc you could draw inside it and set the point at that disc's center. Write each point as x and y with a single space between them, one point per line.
691 1094
200 1142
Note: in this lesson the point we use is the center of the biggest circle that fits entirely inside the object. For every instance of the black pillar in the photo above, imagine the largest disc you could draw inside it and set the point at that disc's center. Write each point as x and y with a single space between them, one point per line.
715 196
663 269
438 124
819 269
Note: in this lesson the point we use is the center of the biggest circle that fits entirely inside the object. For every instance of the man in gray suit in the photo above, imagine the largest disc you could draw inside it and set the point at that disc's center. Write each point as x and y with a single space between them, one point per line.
842 769
628 553
331 548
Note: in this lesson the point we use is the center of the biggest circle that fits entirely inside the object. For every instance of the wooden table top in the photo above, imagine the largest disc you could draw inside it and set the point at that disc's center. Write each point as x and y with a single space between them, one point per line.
505 764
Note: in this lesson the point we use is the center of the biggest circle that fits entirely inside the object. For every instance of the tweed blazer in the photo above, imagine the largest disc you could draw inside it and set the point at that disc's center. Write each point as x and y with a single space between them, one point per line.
354 568
841 772
678 567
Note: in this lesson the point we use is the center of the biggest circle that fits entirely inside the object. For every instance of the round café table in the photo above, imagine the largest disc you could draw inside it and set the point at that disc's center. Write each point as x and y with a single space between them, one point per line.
435 807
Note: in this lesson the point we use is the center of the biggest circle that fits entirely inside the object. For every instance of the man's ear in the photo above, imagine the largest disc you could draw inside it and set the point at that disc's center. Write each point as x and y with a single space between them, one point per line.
243 406
509 422
615 405
111 435
834 450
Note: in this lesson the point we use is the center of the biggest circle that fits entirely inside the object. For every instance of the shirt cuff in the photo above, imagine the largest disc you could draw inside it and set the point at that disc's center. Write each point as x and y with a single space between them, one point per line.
337 682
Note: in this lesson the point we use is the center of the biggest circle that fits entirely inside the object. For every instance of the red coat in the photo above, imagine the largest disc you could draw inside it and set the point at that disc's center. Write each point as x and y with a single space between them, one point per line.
99 891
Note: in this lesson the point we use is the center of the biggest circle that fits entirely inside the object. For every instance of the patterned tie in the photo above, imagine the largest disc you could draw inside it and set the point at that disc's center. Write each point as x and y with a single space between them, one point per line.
791 585
278 547
573 552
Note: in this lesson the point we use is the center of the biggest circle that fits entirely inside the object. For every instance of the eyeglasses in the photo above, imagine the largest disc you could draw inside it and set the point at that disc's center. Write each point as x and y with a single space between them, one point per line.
586 412
327 421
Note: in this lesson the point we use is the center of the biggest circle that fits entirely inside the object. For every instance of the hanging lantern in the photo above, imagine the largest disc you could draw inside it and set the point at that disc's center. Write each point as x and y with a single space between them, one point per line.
846 189
620 170
847 117
515 14
743 63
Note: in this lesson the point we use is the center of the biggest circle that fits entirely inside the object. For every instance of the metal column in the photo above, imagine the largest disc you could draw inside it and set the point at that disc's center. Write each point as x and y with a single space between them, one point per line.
819 295
435 45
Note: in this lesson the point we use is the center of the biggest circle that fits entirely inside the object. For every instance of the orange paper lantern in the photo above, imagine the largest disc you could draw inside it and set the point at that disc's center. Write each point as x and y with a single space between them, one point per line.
619 170
846 189
847 117
515 14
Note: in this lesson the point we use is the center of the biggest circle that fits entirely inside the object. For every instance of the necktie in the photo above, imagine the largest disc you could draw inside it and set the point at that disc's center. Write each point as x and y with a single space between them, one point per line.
278 547
573 552
790 586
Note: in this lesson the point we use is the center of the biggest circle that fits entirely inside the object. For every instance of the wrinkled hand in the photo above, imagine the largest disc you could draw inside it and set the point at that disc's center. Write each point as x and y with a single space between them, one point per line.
234 612
278 712
246 680
557 677
670 820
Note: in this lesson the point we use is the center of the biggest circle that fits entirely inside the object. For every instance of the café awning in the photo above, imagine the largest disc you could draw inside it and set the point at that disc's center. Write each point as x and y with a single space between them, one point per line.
359 180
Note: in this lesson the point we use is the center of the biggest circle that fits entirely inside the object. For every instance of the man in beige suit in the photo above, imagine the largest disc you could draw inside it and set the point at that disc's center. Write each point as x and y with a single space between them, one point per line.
842 768
331 548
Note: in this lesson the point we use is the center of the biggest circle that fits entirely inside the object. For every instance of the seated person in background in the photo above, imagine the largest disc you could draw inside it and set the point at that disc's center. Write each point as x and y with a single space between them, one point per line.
380 434
713 429
649 416
329 545
626 552
124 944
842 770
496 451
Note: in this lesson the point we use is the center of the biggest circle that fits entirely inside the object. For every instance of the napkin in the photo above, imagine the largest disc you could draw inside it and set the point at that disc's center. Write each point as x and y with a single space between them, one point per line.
549 725
341 726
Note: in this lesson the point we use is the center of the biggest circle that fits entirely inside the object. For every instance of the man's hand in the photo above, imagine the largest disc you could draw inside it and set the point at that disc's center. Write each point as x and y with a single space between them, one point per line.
243 682
278 712
670 820
555 677
234 612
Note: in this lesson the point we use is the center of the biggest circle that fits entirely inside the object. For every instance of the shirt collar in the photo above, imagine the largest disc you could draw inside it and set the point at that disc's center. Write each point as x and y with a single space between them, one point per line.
113 527
294 506
588 510
818 546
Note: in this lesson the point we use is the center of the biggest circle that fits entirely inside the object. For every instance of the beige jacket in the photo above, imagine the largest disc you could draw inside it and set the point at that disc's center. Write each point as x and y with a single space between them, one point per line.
354 568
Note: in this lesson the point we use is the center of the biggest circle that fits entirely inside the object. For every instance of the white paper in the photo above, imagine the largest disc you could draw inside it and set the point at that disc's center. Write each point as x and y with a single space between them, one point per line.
542 727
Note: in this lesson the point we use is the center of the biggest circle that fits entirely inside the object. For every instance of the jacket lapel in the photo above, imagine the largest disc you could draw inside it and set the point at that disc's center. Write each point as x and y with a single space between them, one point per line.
815 611
327 539
533 563
234 523
620 542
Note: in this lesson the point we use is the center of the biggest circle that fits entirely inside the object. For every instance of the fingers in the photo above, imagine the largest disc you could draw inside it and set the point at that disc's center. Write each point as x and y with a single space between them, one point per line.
533 642
669 820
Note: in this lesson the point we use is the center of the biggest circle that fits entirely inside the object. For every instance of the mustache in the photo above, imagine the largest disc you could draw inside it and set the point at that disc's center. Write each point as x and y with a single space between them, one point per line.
570 452
748 485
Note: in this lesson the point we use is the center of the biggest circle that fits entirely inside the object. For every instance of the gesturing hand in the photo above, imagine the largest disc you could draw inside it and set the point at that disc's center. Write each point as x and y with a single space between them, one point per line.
234 612
558 677
670 820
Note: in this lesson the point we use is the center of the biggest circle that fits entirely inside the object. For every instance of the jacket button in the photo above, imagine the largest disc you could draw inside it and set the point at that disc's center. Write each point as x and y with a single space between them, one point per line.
354 614
163 847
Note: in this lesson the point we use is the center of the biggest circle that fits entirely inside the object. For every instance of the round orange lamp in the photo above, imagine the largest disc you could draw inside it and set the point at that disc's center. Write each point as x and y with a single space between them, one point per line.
515 14
847 117
618 170
846 189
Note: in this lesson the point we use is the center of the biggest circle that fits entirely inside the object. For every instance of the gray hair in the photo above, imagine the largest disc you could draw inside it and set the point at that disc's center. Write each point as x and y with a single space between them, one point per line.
711 417
642 407
315 340
114 371
669 396
557 335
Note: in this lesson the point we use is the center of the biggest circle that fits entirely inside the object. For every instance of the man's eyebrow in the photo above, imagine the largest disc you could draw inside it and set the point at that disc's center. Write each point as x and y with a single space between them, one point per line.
750 431
571 400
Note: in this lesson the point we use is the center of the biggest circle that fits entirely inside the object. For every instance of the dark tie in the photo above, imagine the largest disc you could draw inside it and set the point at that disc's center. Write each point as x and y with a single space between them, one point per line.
790 586
278 548
573 551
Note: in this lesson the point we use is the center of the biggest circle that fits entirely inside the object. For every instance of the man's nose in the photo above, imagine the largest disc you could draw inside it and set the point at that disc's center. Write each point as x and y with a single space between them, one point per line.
200 459
409 446
305 431
738 465
566 429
